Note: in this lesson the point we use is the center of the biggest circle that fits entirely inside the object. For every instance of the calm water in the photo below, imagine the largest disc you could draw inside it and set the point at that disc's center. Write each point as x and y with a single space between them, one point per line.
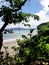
17 33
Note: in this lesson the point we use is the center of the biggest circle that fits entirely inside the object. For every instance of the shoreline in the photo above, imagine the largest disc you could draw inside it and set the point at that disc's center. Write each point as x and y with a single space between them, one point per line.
9 40
12 39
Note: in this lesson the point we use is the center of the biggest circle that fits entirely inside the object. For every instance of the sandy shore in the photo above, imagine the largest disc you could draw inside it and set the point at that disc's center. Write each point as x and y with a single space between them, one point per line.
9 43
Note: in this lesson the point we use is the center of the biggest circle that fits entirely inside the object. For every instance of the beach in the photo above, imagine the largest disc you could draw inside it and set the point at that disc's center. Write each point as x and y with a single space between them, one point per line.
10 39
9 44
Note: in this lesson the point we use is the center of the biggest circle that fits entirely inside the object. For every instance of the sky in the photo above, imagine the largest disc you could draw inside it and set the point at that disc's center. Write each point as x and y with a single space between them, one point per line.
39 7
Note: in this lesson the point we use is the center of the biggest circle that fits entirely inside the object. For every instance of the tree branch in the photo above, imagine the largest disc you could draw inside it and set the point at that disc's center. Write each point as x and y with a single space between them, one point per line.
20 6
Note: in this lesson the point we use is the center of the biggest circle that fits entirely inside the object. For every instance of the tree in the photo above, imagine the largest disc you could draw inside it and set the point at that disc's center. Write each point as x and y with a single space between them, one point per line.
11 14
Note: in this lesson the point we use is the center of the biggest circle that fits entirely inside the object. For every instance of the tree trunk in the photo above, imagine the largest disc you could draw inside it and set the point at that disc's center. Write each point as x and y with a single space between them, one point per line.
1 34
1 39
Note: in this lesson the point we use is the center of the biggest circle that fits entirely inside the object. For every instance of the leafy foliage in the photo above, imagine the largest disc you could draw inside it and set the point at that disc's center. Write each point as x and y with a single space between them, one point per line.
36 17
34 48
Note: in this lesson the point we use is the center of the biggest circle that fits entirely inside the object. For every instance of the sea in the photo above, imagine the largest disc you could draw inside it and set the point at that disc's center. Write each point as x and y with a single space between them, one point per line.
17 33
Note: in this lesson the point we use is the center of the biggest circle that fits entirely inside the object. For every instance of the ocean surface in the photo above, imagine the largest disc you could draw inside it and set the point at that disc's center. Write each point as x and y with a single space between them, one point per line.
17 33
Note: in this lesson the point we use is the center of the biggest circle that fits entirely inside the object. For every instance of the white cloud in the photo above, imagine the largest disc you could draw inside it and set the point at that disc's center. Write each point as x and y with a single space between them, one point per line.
45 4
42 13
3 2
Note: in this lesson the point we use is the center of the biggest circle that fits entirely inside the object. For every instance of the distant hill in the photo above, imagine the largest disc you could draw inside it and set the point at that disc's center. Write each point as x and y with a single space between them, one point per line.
19 28
45 25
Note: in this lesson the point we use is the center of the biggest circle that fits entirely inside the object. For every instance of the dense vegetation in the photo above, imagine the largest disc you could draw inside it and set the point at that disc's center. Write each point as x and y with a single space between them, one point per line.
35 48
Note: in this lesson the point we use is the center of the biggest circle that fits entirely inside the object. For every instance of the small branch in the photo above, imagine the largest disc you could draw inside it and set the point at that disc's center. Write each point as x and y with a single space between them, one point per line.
20 6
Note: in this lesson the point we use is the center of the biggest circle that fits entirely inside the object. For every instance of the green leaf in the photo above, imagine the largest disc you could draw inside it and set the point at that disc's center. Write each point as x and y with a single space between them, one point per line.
36 17
31 30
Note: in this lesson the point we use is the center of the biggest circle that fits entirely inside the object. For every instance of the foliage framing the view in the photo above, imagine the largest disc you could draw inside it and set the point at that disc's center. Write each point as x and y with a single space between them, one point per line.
35 48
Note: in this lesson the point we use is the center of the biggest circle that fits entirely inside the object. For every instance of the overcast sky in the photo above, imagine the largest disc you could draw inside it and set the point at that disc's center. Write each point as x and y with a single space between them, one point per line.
39 7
